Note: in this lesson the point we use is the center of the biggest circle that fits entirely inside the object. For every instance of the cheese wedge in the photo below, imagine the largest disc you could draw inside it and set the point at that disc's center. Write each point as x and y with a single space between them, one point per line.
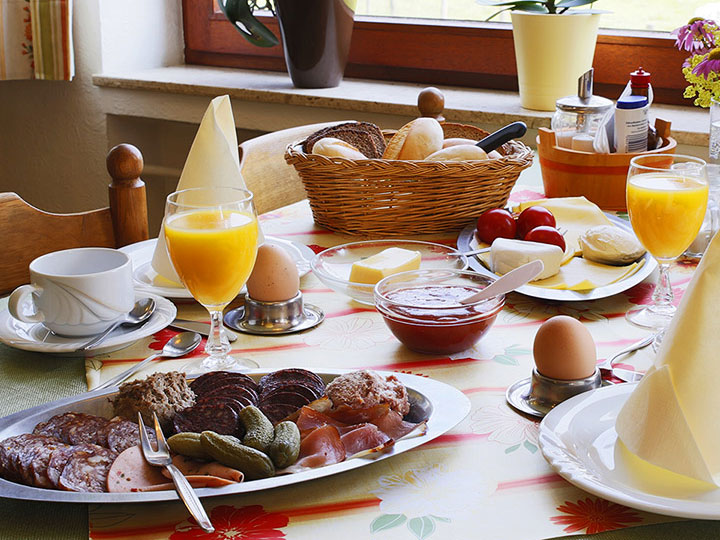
507 254
387 262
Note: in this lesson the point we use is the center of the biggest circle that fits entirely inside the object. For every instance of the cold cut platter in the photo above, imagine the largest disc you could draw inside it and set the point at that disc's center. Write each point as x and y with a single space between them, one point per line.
435 406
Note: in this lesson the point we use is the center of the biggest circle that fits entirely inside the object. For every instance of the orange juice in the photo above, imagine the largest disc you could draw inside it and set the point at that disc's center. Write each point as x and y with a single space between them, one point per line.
666 211
213 252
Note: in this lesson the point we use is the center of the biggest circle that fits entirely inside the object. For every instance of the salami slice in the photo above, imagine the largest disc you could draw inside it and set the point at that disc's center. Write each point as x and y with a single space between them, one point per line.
222 378
286 398
57 462
297 376
87 469
12 451
247 396
25 459
122 434
276 412
309 393
221 419
75 428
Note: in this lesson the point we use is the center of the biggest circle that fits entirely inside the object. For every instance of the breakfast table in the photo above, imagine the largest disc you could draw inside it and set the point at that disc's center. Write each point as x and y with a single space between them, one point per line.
485 478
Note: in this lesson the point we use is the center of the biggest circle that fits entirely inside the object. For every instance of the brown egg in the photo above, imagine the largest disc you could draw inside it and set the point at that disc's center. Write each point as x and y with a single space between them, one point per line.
274 277
564 349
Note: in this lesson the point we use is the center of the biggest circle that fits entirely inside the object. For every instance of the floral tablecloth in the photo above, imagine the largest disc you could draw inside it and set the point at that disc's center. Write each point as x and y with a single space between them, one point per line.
486 478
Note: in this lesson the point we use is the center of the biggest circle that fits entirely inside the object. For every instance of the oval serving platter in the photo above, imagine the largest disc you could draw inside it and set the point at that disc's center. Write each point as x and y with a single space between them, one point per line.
465 243
442 405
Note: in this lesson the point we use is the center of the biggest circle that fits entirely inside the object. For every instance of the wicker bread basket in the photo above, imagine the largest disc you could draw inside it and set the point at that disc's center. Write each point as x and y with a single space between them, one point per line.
380 198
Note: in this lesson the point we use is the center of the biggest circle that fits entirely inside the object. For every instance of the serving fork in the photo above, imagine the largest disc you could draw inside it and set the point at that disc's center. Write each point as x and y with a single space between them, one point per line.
161 458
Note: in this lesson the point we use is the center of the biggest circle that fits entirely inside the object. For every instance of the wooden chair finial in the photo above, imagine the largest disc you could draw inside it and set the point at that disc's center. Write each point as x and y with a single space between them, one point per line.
128 201
431 102
124 162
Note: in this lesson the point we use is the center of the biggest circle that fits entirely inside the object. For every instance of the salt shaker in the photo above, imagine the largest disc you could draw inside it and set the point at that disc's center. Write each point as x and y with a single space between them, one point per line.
577 118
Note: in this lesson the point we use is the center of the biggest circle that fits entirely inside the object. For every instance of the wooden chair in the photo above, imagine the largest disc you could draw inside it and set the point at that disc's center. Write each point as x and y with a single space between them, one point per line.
28 232
262 163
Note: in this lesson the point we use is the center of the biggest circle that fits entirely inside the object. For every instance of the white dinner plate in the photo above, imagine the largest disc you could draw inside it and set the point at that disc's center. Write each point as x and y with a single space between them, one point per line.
442 405
465 243
579 440
35 337
141 254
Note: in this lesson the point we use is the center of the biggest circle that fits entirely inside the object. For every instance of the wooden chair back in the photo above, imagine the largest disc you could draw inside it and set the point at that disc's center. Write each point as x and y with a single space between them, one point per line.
262 163
28 232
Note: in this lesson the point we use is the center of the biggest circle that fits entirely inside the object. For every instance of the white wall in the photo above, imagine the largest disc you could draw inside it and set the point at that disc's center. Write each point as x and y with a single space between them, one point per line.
53 136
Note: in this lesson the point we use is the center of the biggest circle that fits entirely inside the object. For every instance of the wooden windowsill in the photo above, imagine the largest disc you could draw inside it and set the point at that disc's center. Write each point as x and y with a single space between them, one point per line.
482 107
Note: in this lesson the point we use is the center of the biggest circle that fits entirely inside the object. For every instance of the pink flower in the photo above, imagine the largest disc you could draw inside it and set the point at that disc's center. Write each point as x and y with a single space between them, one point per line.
709 65
695 36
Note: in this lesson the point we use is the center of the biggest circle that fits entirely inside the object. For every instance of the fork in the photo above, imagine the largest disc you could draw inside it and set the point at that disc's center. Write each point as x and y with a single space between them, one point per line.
161 458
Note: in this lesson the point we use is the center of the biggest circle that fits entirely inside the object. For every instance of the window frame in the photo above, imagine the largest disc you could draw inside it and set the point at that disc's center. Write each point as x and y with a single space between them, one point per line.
388 49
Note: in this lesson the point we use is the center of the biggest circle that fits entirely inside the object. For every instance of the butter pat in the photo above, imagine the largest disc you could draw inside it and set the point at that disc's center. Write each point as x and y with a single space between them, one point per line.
387 262
507 254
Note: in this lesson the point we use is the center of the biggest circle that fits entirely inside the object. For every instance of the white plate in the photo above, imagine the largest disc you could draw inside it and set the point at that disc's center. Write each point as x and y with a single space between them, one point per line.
141 255
579 441
465 241
35 337
443 405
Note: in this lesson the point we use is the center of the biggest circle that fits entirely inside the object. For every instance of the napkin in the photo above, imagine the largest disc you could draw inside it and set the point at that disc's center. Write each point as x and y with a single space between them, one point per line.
213 161
670 419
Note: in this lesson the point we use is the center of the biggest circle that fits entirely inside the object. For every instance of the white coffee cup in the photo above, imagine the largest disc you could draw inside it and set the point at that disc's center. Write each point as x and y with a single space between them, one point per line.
76 292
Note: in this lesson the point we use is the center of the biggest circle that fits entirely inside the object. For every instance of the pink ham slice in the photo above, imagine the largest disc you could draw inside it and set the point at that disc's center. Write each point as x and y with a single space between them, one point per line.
364 437
321 447
392 424
190 467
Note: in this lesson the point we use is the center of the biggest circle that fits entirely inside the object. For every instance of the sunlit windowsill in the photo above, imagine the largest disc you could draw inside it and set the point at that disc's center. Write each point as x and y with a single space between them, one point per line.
354 98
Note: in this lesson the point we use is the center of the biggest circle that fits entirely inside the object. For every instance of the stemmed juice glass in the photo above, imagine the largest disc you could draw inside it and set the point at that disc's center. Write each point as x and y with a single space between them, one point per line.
666 200
212 236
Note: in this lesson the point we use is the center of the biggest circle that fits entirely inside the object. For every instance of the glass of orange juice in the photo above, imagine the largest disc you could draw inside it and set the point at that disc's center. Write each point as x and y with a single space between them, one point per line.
666 200
212 237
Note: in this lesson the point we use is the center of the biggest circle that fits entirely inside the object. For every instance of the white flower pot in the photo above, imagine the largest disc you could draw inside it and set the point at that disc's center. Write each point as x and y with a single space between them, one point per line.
551 53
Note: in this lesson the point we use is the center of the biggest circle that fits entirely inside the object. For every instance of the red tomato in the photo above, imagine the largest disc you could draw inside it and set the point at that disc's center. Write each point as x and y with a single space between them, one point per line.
495 223
546 235
531 217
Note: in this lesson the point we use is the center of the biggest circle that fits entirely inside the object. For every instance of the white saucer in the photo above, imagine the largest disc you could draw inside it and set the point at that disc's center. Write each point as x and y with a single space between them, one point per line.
141 255
35 337
579 441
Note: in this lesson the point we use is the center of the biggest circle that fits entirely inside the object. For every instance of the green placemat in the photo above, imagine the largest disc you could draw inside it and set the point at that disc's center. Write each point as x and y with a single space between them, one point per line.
26 380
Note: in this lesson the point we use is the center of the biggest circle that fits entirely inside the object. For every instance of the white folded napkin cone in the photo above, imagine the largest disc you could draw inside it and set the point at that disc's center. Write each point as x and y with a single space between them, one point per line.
213 161
671 418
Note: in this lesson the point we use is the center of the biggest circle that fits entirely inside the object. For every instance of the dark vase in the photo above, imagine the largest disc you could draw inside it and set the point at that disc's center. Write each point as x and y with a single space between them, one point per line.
316 37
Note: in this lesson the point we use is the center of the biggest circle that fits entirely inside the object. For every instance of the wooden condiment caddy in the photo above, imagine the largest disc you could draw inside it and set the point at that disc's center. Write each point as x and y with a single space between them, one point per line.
601 178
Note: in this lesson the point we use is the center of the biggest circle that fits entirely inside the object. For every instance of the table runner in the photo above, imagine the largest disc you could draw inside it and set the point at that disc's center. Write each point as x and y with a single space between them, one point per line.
480 474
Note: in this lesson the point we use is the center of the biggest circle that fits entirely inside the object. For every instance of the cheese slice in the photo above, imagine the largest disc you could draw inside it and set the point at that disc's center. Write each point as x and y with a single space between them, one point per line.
582 275
507 254
387 262
573 215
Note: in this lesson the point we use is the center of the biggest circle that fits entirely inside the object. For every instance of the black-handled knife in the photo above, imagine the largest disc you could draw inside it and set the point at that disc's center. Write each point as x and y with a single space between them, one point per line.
502 135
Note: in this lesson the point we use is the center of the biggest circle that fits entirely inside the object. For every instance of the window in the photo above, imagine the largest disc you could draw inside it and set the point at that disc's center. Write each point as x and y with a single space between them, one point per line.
461 53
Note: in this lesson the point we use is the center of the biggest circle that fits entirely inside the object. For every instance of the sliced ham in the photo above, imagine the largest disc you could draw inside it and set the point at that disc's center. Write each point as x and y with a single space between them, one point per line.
364 437
190 467
310 419
347 415
392 424
321 447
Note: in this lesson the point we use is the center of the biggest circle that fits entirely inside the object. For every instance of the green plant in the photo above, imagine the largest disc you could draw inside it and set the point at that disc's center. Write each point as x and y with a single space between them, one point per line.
555 7
240 14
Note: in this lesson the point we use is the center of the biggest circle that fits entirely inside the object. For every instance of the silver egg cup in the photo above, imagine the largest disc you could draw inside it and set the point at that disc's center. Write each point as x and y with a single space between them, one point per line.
538 394
274 318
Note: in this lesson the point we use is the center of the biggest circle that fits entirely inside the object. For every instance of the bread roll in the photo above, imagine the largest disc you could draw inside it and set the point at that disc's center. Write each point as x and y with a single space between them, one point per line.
332 147
415 140
455 141
462 152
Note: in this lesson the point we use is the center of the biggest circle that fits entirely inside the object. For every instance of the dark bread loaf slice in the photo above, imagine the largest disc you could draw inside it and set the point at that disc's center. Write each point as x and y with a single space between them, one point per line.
364 136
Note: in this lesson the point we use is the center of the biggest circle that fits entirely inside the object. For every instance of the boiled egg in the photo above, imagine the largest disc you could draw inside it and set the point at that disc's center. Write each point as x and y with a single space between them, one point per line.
274 277
564 349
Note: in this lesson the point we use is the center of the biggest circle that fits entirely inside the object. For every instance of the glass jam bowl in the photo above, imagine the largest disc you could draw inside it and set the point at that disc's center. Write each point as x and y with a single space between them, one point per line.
422 309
